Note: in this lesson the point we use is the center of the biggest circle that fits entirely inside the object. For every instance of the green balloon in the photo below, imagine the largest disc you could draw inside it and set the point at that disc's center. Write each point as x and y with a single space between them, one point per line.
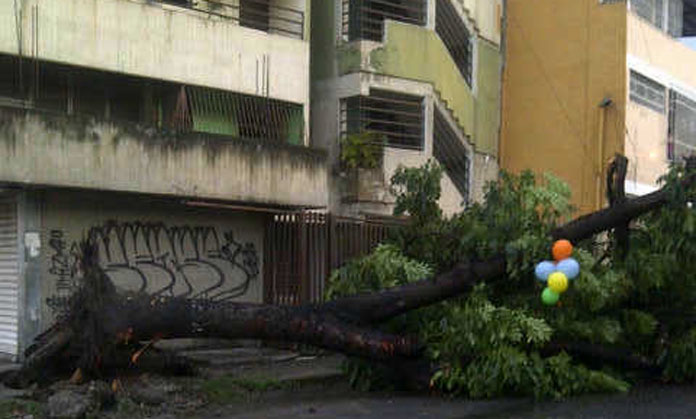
549 297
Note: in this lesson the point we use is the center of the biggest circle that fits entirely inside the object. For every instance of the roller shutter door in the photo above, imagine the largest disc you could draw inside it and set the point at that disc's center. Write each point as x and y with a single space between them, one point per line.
9 275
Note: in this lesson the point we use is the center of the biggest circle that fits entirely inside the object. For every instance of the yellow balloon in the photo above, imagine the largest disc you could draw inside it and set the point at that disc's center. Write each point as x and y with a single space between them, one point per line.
558 282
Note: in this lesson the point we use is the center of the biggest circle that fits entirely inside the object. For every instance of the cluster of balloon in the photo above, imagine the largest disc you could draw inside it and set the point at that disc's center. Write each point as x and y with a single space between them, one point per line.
557 274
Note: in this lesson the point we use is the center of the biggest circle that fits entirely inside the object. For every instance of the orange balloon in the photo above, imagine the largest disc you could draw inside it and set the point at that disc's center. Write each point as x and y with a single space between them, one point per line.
562 249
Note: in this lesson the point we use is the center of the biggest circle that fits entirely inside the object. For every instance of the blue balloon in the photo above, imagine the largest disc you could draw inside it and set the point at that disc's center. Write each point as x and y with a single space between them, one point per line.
570 267
544 269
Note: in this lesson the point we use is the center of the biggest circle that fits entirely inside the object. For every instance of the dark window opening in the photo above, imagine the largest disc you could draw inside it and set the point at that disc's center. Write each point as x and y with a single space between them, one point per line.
682 127
452 155
364 19
254 14
395 117
263 15
150 103
456 37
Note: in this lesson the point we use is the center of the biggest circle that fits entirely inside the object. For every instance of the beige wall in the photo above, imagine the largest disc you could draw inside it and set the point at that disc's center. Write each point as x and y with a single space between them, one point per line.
158 41
646 144
667 55
149 245
62 151
660 57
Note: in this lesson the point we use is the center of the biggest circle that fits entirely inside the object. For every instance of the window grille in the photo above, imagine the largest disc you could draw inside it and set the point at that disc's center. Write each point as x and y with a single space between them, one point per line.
245 116
647 92
156 104
264 15
395 117
456 37
452 155
364 19
682 127
666 15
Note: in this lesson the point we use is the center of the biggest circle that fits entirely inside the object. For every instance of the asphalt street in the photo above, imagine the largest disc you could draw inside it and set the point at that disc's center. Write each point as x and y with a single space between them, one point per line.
643 402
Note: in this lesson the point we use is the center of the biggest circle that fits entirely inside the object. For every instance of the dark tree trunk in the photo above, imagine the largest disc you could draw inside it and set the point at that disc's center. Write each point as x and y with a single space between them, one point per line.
617 196
100 317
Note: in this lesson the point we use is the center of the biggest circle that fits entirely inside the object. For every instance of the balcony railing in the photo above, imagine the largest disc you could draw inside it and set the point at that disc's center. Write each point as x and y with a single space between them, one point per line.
262 15
163 106
395 117
451 154
364 19
456 37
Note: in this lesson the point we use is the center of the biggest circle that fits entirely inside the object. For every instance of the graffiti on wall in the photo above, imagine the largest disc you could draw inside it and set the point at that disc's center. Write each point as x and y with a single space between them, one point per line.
187 261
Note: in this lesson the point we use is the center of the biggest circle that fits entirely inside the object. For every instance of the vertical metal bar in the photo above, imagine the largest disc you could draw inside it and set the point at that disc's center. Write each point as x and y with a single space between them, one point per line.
271 123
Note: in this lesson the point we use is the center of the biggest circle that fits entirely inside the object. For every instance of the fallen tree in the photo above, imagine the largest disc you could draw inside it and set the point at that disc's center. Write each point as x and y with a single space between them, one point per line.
100 320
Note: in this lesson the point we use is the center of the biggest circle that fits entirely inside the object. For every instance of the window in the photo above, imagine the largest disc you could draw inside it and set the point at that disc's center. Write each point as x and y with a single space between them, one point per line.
451 153
364 19
456 37
272 16
647 92
675 18
396 117
666 15
254 14
650 10
682 127
151 103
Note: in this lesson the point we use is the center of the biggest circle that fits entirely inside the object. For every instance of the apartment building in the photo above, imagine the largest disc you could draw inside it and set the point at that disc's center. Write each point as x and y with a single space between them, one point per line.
421 78
164 130
585 79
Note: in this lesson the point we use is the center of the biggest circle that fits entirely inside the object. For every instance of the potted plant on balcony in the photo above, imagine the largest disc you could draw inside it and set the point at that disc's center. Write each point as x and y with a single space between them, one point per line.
362 156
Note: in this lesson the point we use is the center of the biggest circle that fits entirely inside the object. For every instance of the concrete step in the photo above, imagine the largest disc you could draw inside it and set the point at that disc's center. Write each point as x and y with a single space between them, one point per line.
298 372
193 344
237 356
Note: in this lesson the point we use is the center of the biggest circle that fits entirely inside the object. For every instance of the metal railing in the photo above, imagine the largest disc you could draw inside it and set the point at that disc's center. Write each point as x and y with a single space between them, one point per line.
252 119
396 117
451 154
453 32
364 19
262 15
301 249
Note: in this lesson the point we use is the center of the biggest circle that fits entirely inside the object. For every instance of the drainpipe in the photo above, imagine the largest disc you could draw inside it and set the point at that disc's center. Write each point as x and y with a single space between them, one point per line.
603 106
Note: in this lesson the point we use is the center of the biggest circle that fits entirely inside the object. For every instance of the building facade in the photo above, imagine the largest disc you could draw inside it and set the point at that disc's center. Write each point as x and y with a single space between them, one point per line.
165 131
587 79
420 78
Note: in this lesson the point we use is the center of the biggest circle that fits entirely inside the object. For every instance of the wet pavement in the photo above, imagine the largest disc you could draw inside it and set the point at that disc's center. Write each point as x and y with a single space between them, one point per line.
642 402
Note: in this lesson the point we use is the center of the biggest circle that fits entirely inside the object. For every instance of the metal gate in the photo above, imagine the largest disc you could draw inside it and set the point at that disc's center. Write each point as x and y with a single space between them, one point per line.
9 275
301 250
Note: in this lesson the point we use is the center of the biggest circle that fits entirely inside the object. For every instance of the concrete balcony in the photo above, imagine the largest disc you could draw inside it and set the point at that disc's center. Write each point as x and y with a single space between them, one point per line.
40 148
213 44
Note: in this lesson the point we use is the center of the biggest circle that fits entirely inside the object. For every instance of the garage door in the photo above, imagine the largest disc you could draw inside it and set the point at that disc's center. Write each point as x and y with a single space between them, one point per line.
9 275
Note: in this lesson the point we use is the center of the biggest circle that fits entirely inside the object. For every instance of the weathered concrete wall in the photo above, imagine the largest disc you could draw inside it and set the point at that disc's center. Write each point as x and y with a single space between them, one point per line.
487 14
159 41
411 60
485 169
147 245
432 64
62 151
